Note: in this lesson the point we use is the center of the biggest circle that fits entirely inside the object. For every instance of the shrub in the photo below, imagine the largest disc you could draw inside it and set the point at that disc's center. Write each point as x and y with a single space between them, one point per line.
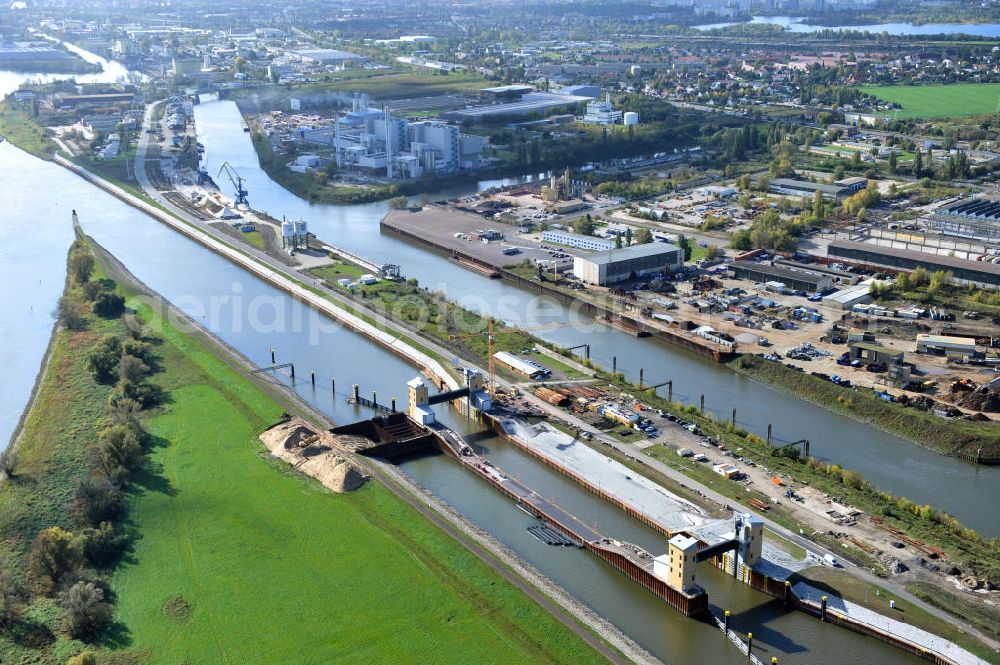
8 462
123 410
81 264
12 598
109 304
102 545
131 369
84 658
85 611
54 553
103 359
121 451
69 313
98 500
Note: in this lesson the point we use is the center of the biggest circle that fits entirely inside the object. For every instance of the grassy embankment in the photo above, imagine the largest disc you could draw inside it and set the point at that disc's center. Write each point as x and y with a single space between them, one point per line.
938 101
237 558
18 127
961 438
435 317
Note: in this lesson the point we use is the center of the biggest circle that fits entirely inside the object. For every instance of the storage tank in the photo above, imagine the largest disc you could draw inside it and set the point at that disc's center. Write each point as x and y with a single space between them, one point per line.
630 118
287 229
300 228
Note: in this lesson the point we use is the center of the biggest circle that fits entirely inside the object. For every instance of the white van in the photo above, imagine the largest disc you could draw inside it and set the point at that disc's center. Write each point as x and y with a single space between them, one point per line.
831 560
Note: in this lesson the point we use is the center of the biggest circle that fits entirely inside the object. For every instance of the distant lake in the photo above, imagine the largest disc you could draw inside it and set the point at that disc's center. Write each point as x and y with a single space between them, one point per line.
796 24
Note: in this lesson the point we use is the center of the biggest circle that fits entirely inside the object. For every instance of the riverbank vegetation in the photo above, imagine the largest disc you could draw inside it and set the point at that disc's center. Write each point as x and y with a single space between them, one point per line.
138 477
961 438
18 127
434 316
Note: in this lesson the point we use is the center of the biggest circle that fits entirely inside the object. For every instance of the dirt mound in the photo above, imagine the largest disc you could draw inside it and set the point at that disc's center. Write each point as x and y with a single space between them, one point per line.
335 472
981 400
293 434
314 454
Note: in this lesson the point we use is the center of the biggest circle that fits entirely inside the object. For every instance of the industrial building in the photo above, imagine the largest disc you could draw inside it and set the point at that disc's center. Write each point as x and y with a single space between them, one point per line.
978 219
870 353
837 190
847 298
325 57
527 368
974 272
793 279
838 276
577 240
513 101
372 139
964 347
616 265
603 113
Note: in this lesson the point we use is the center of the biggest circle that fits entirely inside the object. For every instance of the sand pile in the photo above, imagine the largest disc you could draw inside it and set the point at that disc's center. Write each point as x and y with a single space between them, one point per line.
313 454
334 471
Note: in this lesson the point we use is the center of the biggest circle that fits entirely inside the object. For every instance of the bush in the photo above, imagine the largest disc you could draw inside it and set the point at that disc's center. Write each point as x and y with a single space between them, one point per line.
109 304
8 462
81 264
398 203
69 313
131 369
84 658
121 451
98 500
142 393
85 611
12 598
102 545
103 359
54 554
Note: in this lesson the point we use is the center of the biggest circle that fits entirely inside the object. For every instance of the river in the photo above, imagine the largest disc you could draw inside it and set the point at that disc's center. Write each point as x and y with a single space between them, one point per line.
920 474
798 24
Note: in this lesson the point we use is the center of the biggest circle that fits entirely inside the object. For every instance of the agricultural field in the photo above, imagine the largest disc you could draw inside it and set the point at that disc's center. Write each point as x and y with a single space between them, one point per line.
940 101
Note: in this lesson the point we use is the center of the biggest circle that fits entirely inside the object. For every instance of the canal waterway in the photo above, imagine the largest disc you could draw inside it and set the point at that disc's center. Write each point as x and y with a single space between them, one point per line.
890 462
254 317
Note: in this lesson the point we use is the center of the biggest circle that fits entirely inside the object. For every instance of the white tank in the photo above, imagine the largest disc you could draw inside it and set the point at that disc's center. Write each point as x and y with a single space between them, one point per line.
300 228
287 229
630 118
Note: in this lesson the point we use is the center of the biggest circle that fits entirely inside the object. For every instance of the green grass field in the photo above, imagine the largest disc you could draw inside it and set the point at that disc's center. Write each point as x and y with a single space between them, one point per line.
940 101
241 560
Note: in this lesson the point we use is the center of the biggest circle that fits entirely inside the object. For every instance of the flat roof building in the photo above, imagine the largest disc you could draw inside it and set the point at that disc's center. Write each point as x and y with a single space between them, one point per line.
577 240
963 270
522 105
527 368
794 187
616 265
795 279
326 56
946 345
847 298
870 353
